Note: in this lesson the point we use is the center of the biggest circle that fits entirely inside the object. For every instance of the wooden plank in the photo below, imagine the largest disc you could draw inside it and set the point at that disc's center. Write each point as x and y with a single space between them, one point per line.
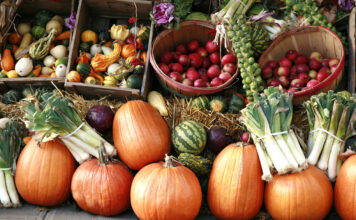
352 51
148 70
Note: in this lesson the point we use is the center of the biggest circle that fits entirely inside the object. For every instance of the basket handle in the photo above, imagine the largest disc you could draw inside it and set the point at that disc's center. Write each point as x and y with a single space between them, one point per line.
232 84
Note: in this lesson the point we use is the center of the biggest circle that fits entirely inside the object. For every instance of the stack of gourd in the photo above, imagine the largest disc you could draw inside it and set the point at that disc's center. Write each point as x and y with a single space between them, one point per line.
114 59
37 48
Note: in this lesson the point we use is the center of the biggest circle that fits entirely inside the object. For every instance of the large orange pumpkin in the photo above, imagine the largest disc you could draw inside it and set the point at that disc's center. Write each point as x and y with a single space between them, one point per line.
345 190
141 136
235 188
163 191
111 196
304 195
44 173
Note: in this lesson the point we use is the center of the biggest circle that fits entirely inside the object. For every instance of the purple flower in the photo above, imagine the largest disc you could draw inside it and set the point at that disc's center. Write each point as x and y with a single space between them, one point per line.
163 13
70 22
346 5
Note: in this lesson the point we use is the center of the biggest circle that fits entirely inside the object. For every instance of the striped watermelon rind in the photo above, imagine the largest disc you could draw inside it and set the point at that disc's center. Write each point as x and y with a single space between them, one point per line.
189 137
198 164
259 39
201 102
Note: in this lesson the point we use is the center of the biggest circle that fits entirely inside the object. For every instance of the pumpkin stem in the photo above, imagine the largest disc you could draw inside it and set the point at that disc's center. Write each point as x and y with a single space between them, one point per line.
169 162
103 157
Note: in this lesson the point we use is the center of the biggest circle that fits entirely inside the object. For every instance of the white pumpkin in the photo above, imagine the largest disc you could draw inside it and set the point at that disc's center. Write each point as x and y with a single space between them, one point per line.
59 51
49 61
113 68
24 66
46 70
61 70
106 50
94 49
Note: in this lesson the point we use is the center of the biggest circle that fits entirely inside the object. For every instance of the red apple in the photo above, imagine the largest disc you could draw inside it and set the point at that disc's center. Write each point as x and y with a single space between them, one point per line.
283 71
297 83
182 48
301 59
291 55
292 90
206 62
274 83
325 63
187 82
176 56
322 74
195 60
166 58
176 76
204 77
230 68
214 58
213 71
304 77
202 71
316 55
176 67
266 72
312 83
333 62
224 76
184 60
312 74
275 72
314 64
164 68
200 83
211 46
283 80
202 52
193 45
193 75
273 64
216 82
302 68
285 63
293 70
228 58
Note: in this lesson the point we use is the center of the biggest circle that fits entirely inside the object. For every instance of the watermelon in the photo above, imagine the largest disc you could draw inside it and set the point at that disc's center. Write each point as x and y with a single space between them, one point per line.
201 102
259 39
189 137
198 164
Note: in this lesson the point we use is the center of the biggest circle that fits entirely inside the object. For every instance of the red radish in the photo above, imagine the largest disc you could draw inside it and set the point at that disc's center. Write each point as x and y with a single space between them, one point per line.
314 64
297 83
182 48
316 55
211 46
228 58
187 82
274 83
164 68
200 83
245 137
333 68
293 70
325 63
292 90
292 76
202 52
302 68
202 71
304 77
230 68
273 64
326 69
224 76
214 58
291 55
283 71
312 74
184 60
167 58
193 45
176 67
195 60
204 77
216 82
285 63
176 76
192 74
301 59
266 72
322 74
206 62
283 80
275 72
213 71
312 83
333 62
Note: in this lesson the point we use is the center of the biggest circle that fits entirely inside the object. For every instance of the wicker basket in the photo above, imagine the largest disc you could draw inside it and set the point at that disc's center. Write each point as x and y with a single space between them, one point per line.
307 40
168 40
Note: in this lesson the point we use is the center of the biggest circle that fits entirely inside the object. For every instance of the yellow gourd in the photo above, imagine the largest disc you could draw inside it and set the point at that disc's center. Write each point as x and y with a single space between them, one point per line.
12 74
88 36
100 62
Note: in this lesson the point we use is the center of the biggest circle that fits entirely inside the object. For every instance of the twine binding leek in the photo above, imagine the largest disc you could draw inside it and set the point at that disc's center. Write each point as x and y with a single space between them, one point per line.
327 132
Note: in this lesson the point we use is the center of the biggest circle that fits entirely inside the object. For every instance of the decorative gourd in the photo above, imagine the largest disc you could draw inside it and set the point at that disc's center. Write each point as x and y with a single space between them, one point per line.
44 172
189 137
14 38
90 80
61 70
39 49
201 102
89 36
94 49
84 58
23 28
61 60
83 69
112 196
54 25
140 134
46 70
158 102
106 50
24 66
59 19
38 32
113 69
259 39
144 33
7 62
235 181
12 74
59 51
218 104
128 50
199 165
134 81
166 191
304 195
236 104
101 62
138 70
11 97
73 76
42 17
119 32
143 57
85 46
49 61
26 40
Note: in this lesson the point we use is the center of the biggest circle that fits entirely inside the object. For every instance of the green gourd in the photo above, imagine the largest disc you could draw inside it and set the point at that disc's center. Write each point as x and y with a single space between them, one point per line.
198 164
39 49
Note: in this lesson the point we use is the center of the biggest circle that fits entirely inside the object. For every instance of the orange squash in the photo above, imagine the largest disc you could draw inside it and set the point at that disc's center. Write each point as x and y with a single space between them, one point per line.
44 173
128 50
89 36
7 61
304 195
141 136
235 189
73 76
14 38
83 58
101 62
143 57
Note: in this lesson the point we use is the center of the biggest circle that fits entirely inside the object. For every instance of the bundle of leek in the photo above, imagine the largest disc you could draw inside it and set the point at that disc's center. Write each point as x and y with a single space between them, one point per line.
331 118
10 144
268 118
51 116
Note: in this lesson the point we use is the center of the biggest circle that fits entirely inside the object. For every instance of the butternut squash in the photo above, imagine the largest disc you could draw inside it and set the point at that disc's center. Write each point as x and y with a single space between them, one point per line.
101 62
7 61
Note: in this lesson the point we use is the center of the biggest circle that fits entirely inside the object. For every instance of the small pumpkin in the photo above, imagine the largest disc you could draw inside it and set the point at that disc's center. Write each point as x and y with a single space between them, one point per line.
73 76
61 70
14 38
89 36
128 50
90 80
54 25
7 61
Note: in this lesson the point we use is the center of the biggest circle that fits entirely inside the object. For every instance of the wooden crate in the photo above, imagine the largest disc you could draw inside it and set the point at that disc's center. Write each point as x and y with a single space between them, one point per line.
352 50
27 9
96 15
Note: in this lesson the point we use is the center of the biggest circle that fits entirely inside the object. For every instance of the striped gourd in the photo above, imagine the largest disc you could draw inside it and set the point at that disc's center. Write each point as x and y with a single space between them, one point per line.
259 39
201 102
189 137
39 49
198 164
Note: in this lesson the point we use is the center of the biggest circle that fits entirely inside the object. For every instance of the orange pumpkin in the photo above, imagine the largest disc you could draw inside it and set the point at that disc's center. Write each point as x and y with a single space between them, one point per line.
44 173
73 76
304 195
345 196
14 38
112 196
235 188
143 56
166 191
128 50
89 36
141 136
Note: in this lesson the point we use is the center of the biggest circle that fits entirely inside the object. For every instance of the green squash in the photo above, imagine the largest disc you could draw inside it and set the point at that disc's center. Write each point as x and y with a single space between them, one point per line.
134 81
83 69
62 60
38 32
218 104
236 104
138 70
11 97
201 102
42 17
65 42
198 164
85 46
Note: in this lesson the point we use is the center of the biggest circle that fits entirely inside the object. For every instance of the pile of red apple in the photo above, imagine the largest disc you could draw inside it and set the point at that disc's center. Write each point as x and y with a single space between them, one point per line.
298 72
198 66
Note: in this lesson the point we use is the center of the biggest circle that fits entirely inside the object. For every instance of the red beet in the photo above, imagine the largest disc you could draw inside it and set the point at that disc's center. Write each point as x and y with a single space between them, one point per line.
217 139
245 137
164 68
228 58
193 45
214 58
230 68
182 48
195 60
213 71
211 47
176 76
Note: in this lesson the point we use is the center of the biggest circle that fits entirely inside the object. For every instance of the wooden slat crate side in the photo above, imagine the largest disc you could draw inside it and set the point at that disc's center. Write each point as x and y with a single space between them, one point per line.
30 7
352 51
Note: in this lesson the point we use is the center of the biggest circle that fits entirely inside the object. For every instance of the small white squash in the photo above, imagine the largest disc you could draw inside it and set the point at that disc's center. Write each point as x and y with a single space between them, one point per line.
24 66
59 19
61 70
49 61
134 30
23 28
113 68
3 122
54 24
106 50
94 49
59 51
46 70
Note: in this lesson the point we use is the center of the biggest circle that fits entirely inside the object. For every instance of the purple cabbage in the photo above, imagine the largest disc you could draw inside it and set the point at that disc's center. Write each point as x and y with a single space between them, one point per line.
163 13
346 5
70 22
